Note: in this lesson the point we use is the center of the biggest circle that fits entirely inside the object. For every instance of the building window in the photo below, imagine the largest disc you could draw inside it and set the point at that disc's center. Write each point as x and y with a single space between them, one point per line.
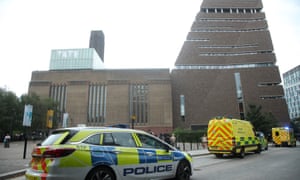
96 104
58 94
138 100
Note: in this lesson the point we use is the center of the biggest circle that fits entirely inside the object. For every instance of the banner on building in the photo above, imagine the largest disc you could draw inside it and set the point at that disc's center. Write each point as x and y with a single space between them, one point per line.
50 114
27 118
65 120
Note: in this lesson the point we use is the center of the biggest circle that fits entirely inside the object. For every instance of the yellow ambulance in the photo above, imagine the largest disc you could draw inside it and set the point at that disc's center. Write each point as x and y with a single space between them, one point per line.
283 136
231 136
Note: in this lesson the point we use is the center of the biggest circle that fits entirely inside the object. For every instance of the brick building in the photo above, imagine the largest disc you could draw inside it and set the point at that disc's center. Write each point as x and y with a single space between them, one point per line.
226 63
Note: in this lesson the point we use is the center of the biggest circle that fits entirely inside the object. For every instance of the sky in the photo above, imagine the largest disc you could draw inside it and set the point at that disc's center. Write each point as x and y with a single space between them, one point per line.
138 33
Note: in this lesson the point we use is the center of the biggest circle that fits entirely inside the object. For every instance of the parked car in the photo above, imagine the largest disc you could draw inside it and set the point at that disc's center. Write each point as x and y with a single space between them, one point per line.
107 153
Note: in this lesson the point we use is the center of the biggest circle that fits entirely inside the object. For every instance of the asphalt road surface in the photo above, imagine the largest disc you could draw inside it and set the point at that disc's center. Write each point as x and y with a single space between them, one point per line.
277 163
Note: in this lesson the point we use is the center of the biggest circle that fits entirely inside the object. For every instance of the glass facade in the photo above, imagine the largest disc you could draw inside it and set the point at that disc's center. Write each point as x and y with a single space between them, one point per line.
291 80
63 59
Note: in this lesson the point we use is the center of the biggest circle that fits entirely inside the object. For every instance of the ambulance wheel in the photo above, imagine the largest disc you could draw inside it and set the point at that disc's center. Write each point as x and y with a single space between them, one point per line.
219 155
242 153
183 171
259 148
101 173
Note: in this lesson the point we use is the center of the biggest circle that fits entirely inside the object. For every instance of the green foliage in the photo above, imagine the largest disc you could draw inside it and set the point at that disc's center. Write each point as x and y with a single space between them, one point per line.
12 111
40 108
9 108
189 136
261 121
295 124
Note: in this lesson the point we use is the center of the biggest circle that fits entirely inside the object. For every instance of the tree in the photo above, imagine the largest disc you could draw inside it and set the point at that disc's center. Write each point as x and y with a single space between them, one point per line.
295 124
261 121
9 113
40 108
12 111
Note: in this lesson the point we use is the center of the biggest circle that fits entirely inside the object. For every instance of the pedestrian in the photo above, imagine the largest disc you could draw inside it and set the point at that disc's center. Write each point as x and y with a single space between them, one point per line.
173 139
204 141
6 140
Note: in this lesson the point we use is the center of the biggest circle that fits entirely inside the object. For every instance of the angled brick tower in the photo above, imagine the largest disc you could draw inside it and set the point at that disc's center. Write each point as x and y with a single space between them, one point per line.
226 63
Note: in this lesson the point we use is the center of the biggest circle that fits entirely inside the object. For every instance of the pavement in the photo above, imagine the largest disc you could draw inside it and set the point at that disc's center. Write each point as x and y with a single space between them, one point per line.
13 163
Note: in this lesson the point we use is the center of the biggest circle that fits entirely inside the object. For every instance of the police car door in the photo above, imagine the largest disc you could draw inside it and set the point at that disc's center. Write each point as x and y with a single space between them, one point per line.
126 154
158 158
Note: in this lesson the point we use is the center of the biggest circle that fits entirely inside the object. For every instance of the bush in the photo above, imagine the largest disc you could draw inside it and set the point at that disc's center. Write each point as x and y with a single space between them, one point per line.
189 136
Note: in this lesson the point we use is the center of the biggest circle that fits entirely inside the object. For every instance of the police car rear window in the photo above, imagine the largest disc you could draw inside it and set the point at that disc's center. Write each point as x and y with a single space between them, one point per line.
58 137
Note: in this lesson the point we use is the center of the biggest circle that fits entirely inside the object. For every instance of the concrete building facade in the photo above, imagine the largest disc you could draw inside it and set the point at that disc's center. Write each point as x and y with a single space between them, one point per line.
291 80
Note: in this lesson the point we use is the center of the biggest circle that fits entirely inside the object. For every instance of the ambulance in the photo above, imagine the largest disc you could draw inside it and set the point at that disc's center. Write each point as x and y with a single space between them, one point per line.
231 137
283 136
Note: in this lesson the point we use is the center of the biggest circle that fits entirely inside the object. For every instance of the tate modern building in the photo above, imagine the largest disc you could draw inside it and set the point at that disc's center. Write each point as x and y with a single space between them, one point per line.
226 63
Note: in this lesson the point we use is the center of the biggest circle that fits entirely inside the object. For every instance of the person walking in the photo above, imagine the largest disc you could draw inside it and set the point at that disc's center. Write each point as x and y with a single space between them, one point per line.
173 139
204 141
6 140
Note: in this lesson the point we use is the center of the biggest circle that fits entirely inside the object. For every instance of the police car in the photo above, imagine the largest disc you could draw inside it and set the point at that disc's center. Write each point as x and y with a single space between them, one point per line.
100 153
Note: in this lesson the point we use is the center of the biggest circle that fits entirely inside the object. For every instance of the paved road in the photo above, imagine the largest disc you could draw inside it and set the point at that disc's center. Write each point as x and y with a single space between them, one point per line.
278 163
11 159
12 163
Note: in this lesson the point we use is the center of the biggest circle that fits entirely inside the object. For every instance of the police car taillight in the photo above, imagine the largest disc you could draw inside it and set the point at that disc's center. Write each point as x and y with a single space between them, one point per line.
56 153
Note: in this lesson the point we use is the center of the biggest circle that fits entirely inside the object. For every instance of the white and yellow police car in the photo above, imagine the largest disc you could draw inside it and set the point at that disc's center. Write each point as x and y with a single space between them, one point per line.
106 153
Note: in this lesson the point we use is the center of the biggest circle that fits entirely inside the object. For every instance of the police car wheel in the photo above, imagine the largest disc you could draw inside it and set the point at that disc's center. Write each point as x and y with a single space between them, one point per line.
101 173
183 171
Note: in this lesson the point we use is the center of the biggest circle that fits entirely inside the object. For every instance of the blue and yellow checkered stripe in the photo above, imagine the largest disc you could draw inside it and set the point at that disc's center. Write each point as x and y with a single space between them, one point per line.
128 156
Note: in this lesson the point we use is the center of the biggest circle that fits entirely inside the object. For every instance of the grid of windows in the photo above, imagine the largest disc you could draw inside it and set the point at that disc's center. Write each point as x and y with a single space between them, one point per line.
291 81
234 54
138 101
58 94
231 10
96 104
233 66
